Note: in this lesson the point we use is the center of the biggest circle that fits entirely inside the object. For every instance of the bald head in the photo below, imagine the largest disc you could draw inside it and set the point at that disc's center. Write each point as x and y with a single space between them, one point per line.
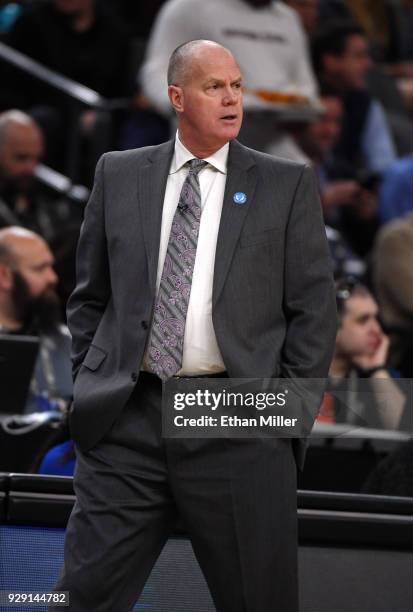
16 241
186 58
14 122
21 148
27 280
205 91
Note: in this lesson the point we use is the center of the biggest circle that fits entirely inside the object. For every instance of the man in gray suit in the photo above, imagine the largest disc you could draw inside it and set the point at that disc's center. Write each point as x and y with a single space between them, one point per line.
242 290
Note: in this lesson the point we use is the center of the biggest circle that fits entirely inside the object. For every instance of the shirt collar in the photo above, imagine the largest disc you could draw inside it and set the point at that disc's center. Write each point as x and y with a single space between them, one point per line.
181 156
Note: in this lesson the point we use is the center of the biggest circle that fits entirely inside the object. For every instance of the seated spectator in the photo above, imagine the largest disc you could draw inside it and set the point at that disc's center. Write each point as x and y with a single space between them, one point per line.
21 148
29 306
348 198
266 37
373 17
380 20
341 60
388 26
393 278
400 48
380 82
21 200
396 192
317 140
361 353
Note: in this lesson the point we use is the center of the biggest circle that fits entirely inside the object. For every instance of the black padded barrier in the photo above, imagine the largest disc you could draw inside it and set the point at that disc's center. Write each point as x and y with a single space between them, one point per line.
355 551
324 517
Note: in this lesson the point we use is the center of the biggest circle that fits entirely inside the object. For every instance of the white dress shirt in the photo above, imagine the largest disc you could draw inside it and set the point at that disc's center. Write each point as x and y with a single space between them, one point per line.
201 354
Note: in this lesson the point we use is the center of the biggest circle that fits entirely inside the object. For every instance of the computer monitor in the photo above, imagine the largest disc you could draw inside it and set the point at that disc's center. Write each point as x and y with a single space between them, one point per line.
17 360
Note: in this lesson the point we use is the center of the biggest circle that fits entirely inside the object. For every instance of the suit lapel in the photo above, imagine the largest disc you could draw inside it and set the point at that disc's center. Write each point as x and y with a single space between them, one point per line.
241 178
153 177
151 193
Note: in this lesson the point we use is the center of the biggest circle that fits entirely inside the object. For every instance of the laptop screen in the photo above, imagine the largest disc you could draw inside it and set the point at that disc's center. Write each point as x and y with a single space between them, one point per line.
17 360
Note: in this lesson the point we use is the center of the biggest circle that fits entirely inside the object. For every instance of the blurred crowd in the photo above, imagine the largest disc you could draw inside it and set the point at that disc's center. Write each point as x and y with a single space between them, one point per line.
326 82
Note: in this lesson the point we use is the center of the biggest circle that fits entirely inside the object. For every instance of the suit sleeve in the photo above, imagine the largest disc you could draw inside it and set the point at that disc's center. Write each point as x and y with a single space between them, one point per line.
90 296
309 299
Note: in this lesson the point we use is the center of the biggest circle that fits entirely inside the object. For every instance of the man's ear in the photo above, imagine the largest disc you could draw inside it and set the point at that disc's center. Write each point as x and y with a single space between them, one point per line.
176 96
6 277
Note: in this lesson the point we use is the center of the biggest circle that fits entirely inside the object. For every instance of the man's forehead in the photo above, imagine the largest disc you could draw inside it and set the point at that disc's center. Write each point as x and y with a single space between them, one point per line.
359 305
207 60
29 251
355 42
217 76
22 137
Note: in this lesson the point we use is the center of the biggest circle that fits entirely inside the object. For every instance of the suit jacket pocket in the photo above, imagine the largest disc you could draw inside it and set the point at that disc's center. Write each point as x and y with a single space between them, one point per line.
94 357
265 237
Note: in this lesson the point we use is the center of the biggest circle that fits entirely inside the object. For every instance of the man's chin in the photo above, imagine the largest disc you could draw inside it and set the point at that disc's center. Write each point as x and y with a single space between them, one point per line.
25 185
45 313
230 131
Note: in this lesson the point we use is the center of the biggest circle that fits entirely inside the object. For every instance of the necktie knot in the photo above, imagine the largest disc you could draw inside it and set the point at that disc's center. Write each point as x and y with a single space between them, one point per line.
196 165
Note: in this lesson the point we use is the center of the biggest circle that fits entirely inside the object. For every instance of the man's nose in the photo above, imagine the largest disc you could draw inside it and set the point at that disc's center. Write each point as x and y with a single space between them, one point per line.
376 327
29 167
52 277
230 96
368 63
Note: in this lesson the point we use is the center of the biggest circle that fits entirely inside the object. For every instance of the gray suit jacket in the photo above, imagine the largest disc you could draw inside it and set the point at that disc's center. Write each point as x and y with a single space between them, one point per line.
273 301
